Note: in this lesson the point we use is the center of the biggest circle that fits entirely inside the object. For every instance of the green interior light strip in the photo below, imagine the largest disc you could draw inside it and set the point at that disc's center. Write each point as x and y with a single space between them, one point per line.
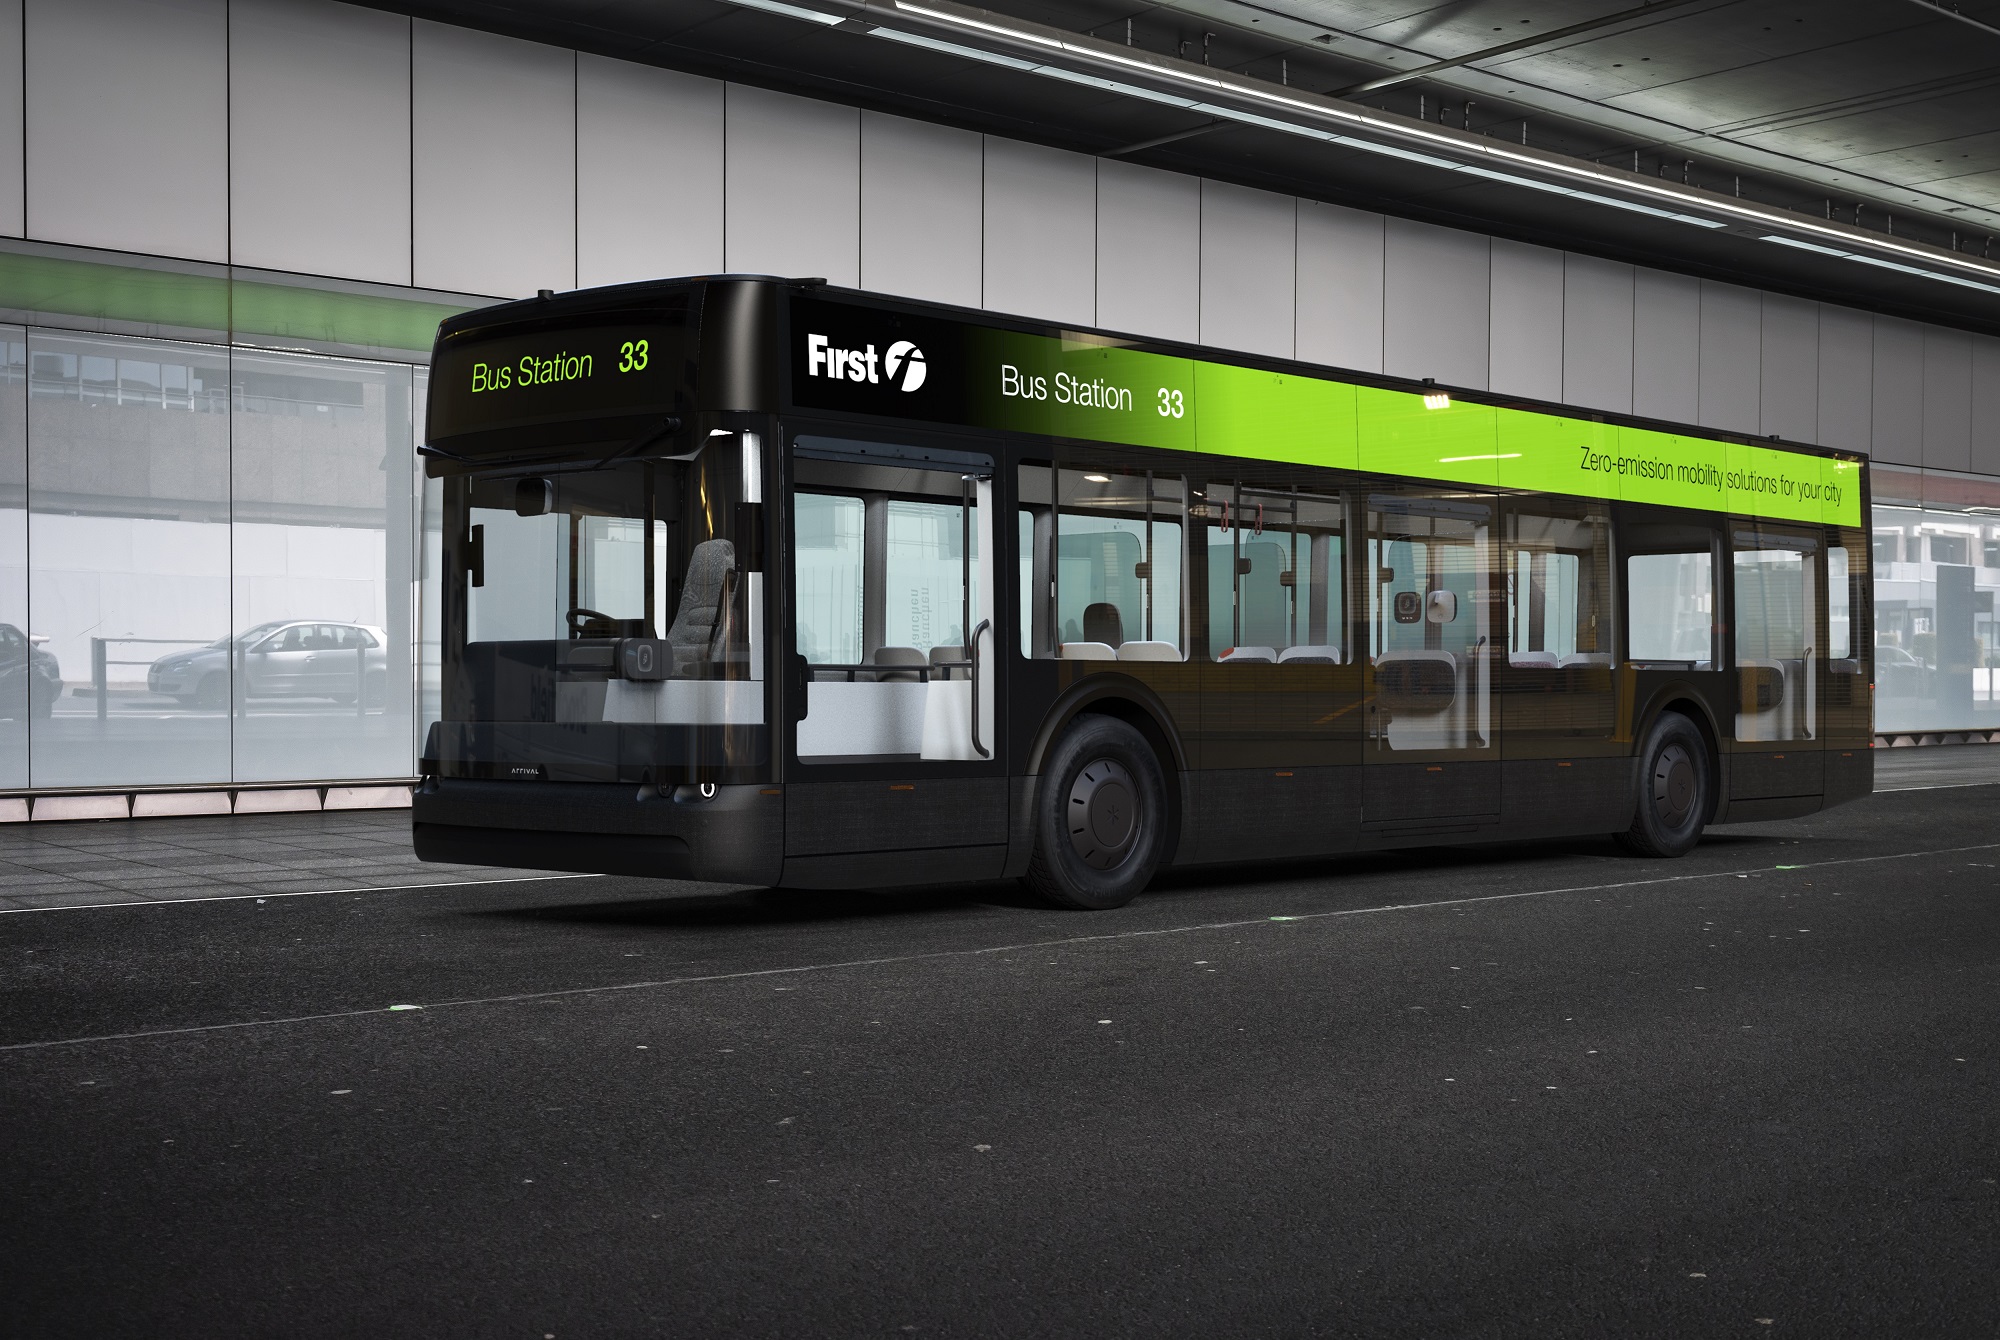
258 309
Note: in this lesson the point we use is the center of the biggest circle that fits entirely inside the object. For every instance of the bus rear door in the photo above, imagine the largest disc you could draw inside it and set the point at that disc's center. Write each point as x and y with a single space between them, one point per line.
1430 760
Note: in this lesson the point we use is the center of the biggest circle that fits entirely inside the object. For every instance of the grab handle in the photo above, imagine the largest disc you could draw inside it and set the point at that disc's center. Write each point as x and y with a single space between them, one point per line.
984 626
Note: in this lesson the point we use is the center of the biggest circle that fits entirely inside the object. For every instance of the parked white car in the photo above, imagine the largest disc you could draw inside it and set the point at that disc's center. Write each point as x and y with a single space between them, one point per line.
302 658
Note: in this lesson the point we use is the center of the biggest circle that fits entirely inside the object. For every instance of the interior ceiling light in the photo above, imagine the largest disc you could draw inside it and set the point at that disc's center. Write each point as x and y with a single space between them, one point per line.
1211 92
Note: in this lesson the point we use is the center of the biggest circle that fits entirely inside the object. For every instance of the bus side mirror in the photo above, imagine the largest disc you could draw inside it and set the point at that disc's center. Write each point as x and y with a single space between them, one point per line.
534 497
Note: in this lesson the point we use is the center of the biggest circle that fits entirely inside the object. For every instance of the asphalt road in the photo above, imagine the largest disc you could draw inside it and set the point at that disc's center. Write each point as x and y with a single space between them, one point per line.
1536 1091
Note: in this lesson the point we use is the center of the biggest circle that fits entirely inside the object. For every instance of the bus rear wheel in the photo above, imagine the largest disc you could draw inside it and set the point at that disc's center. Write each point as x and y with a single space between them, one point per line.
1100 817
1676 788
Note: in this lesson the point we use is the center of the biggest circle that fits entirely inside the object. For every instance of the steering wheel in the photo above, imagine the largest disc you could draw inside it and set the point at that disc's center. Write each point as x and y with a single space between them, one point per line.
580 620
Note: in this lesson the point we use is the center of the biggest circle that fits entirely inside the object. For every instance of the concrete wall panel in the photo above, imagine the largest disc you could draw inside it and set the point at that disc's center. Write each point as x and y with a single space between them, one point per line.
128 125
921 210
1249 246
793 187
649 180
1148 251
1986 404
319 139
1436 283
1947 399
1899 391
1339 305
1846 412
495 163
1789 356
1525 321
1598 333
1041 232
13 168
1666 345
1731 343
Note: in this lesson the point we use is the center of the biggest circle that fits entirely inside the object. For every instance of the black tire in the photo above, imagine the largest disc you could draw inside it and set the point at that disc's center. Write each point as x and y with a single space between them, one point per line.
42 703
1676 790
213 691
1100 817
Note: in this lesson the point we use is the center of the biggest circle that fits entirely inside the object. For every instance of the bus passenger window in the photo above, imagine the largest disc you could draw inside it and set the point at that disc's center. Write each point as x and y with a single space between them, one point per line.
1839 622
1274 574
1559 586
1670 608
1114 590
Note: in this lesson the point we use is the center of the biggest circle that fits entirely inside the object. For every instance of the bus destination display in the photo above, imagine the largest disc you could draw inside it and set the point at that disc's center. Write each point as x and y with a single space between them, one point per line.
481 384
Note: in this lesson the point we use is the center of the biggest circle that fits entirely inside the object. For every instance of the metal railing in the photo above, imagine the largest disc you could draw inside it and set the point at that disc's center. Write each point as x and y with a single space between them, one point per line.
101 662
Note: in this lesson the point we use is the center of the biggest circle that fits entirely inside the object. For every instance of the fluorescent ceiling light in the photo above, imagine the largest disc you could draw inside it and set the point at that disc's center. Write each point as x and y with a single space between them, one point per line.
792 11
1879 263
1512 167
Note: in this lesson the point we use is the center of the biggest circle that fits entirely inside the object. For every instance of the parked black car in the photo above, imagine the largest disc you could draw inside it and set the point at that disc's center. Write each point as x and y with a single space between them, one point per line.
287 658
30 679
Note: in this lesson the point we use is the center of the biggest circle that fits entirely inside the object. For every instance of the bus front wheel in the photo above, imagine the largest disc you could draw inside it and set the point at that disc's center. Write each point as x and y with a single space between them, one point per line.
1675 790
1100 817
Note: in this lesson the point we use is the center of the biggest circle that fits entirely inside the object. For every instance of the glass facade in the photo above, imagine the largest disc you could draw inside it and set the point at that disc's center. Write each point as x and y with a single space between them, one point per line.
207 563
213 564
1936 556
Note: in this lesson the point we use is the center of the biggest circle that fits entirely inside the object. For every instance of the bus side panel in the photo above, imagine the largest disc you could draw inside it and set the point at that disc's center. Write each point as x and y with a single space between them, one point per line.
1576 797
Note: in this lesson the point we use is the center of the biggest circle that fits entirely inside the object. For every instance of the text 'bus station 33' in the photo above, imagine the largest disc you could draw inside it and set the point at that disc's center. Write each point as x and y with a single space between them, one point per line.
831 590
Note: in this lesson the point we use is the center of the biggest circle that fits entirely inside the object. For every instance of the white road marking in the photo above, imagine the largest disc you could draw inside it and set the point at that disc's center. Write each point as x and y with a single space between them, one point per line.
893 960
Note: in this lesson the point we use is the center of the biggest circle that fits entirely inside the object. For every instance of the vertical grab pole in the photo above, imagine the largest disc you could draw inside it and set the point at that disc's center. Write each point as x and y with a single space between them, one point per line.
97 673
965 584
1055 556
1149 555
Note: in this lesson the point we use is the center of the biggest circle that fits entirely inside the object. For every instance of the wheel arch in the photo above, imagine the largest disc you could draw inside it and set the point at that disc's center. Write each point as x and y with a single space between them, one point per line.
1683 699
1125 699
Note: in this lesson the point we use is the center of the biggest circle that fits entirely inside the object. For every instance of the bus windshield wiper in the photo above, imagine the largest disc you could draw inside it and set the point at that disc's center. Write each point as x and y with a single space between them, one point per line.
667 427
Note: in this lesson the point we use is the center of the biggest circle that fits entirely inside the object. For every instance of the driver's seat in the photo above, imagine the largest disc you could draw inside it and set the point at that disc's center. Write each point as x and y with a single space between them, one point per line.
703 596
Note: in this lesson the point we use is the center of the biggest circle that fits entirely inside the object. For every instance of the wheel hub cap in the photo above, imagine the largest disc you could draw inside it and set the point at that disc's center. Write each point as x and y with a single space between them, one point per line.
1673 786
1103 814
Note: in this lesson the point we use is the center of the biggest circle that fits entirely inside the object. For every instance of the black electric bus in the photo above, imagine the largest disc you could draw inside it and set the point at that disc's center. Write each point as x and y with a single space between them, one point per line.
762 581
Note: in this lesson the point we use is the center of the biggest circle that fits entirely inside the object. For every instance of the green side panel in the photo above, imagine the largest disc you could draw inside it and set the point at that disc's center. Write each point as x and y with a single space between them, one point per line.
373 320
1840 492
1094 390
1274 416
1552 455
1400 435
114 292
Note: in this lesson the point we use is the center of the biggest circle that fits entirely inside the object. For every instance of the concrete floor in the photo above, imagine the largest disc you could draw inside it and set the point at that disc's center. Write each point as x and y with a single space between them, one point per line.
1529 1090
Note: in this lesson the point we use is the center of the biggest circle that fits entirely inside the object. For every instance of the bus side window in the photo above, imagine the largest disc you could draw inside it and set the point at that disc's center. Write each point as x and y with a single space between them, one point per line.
1274 574
1102 565
1670 608
1839 620
1559 586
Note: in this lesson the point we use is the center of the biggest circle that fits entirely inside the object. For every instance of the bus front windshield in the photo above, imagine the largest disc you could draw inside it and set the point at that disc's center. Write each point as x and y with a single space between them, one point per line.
606 624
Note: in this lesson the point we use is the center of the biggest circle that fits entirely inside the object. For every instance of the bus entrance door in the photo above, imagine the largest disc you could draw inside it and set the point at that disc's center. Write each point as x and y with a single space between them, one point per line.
1430 761
898 776
1776 597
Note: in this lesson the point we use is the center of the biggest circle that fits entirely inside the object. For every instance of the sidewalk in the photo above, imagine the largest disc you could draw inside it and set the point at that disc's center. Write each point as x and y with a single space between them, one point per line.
50 865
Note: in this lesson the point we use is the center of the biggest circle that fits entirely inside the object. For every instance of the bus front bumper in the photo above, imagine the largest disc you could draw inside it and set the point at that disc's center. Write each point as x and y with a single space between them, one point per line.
737 836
